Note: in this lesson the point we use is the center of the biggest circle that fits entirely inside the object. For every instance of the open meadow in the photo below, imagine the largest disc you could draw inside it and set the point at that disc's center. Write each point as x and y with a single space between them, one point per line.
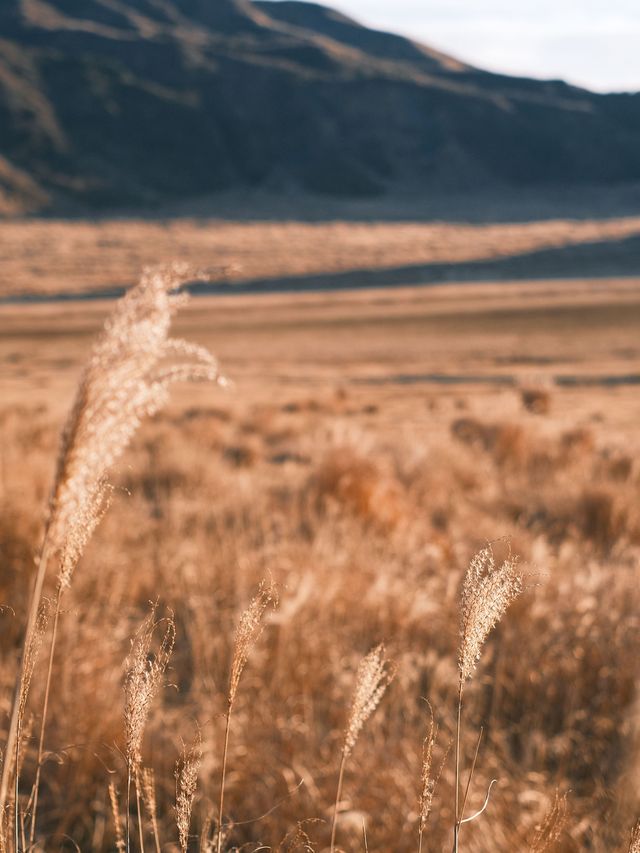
369 444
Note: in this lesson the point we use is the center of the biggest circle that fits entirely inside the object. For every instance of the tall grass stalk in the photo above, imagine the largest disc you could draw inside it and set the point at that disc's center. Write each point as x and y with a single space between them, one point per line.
117 821
247 632
186 773
428 781
487 592
13 734
128 376
372 679
334 821
79 533
45 708
149 798
144 675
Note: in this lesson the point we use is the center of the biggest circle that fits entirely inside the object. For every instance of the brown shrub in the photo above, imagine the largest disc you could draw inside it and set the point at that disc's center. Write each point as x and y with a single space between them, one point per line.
241 455
602 517
473 432
511 445
357 483
536 400
619 467
577 442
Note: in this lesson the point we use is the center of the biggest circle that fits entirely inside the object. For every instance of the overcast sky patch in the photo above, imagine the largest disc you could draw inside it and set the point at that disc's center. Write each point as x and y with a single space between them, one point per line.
587 42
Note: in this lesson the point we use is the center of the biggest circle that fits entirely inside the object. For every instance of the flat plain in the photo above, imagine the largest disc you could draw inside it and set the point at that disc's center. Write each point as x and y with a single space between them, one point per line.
371 442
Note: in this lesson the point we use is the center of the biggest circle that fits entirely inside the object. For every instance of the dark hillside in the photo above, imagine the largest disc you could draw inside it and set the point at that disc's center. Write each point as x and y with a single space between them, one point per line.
106 103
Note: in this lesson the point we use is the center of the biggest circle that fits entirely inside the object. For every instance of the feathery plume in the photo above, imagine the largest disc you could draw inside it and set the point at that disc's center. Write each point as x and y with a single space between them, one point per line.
428 781
117 821
142 681
209 840
148 791
634 841
552 825
80 528
128 376
297 840
247 632
143 678
487 592
206 842
549 831
187 769
373 677
4 843
31 655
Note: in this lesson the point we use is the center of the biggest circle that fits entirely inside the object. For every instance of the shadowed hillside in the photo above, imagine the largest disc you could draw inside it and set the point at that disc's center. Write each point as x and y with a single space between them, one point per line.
113 104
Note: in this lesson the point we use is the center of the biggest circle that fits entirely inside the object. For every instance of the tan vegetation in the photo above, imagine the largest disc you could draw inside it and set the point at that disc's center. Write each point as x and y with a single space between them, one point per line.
365 495
79 256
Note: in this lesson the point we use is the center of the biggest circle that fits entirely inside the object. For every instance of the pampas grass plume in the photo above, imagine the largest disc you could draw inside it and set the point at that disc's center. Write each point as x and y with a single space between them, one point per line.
143 679
186 773
487 592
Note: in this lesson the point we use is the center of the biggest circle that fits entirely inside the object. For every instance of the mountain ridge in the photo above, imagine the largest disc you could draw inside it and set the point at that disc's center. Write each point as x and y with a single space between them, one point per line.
113 103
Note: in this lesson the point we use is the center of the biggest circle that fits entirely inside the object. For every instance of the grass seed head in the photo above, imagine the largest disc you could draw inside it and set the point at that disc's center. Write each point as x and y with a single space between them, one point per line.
148 790
31 654
552 825
80 528
427 779
487 592
247 632
186 773
372 679
127 378
145 670
634 841
117 820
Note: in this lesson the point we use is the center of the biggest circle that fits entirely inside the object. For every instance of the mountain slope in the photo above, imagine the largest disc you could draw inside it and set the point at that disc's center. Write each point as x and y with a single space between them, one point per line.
121 102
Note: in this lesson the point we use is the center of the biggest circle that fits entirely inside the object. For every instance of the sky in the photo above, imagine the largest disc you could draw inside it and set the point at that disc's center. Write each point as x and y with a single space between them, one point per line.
593 43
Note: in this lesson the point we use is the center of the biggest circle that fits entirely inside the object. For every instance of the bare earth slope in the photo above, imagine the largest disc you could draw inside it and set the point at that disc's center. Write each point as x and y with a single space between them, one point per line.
113 104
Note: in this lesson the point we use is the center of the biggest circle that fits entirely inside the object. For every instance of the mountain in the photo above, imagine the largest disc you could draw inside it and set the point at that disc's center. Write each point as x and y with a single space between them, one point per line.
113 103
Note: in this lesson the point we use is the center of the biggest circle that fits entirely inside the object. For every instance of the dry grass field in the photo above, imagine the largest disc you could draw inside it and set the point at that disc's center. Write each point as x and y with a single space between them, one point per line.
48 257
370 444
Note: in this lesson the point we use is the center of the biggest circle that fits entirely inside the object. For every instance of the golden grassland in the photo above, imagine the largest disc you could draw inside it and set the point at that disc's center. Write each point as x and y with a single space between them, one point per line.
51 256
371 443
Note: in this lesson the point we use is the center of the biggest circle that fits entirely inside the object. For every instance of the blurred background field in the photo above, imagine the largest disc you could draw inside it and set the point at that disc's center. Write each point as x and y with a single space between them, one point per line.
311 244
371 443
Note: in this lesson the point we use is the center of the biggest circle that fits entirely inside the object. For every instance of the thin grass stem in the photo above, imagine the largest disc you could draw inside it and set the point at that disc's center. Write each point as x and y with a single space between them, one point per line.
11 748
223 773
140 827
471 772
43 723
127 820
456 828
334 822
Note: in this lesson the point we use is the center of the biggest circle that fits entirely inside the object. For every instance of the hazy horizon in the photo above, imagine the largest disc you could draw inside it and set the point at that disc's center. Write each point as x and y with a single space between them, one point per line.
535 39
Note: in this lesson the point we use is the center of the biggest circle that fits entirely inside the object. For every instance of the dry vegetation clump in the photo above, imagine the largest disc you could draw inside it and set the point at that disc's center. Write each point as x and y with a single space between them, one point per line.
349 480
368 529
536 400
